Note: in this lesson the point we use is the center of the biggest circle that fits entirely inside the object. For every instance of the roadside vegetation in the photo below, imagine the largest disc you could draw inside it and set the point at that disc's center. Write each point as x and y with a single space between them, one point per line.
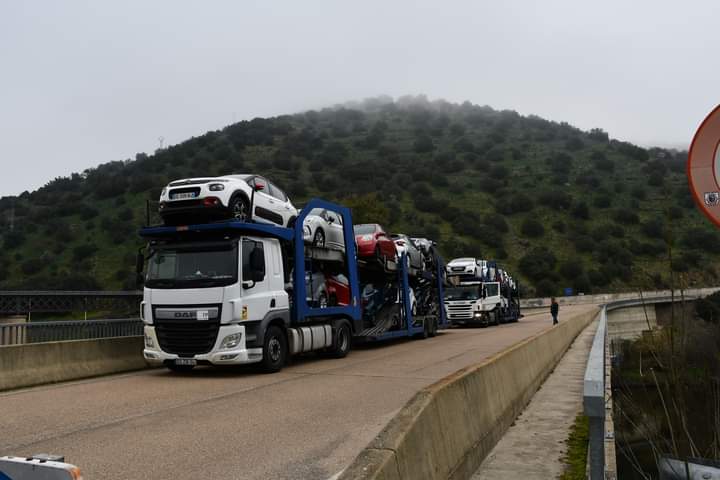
575 459
666 390
560 206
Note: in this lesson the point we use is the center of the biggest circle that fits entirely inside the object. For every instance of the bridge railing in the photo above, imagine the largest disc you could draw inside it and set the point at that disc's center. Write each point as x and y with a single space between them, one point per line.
597 384
38 332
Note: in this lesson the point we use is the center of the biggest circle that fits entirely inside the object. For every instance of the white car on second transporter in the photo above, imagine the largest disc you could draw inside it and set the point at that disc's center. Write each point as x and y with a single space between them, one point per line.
324 228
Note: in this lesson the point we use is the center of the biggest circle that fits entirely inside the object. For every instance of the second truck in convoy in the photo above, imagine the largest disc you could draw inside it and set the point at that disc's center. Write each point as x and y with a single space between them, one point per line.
482 293
238 292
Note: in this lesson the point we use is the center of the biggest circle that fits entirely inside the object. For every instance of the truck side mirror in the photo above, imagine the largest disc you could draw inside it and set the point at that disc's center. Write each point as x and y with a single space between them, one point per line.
139 265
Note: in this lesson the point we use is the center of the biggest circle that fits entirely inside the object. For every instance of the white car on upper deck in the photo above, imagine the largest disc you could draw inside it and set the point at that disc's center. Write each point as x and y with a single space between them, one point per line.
465 267
241 197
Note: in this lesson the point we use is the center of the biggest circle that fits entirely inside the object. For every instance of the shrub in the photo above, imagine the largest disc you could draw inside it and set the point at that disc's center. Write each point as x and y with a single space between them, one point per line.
602 201
81 252
546 288
32 266
571 268
556 199
653 228
701 239
537 263
516 203
499 172
638 192
424 144
532 228
626 217
581 211
497 222
597 278
12 240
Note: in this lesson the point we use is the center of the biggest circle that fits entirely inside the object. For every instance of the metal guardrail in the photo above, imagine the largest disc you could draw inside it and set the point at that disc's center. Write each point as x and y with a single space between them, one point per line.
612 298
597 386
28 302
38 332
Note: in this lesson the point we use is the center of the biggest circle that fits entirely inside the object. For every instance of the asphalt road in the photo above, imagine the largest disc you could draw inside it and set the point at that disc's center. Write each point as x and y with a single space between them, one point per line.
307 422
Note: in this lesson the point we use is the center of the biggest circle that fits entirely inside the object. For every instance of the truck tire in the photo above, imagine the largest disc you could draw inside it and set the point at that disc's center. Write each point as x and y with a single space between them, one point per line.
426 330
179 368
433 328
274 350
496 317
342 341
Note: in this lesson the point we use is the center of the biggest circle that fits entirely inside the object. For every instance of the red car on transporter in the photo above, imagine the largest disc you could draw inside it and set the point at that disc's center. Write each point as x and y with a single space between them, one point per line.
373 242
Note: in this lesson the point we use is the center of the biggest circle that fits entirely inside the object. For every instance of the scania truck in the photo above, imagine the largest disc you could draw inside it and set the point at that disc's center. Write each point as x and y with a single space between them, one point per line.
236 292
490 299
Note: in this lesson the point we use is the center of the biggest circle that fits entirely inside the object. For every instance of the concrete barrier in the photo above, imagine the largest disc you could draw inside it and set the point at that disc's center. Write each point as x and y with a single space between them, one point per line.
39 363
611 297
447 429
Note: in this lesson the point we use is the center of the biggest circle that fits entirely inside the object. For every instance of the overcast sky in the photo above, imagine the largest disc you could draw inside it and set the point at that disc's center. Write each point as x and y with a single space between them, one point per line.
86 82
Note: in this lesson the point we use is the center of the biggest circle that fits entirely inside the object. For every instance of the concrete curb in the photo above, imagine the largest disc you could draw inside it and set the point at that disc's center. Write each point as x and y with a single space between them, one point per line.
40 363
447 429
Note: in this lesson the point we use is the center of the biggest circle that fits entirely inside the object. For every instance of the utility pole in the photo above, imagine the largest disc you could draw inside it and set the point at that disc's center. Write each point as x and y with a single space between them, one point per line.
161 139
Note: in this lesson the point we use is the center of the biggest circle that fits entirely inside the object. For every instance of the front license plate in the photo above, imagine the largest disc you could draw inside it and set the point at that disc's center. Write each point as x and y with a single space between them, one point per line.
182 196
185 361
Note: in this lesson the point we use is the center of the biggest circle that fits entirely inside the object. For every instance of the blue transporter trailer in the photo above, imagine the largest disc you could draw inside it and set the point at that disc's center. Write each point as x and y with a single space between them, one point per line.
238 292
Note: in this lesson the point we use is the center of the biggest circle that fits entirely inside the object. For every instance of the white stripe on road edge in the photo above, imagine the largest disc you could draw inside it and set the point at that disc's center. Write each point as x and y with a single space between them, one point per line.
337 475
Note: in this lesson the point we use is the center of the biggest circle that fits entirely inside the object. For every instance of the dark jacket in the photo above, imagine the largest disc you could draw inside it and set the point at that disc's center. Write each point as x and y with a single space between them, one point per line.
554 308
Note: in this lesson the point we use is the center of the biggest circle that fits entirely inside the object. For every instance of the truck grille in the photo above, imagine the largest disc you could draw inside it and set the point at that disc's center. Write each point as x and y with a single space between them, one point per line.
459 311
187 336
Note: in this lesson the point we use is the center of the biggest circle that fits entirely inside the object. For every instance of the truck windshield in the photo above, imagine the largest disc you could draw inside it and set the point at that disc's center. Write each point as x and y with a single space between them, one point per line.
192 266
463 293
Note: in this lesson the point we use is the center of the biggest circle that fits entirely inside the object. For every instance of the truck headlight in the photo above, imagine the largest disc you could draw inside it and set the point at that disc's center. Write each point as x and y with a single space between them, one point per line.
231 341
149 341
477 314
216 187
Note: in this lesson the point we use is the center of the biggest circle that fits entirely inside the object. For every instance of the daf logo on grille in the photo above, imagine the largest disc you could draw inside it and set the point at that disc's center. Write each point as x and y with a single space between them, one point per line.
184 314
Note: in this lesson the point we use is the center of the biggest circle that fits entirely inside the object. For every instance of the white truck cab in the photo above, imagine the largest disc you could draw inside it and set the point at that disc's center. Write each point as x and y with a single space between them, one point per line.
211 302
479 303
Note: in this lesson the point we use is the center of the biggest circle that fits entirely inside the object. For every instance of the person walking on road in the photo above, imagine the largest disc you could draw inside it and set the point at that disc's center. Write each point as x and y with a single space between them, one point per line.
554 309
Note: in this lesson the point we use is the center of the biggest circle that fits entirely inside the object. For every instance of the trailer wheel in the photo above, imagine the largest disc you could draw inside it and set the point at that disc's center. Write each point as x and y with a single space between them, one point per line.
342 342
274 350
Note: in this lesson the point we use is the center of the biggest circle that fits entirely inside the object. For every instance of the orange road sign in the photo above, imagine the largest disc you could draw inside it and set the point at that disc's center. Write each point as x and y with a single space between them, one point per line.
703 166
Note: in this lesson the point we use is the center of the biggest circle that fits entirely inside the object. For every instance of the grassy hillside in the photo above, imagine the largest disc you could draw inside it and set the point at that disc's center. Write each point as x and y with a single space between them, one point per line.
557 206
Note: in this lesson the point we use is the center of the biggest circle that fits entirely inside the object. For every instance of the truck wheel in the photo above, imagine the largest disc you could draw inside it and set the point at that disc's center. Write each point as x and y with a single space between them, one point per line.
496 317
274 350
179 368
342 341
433 328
